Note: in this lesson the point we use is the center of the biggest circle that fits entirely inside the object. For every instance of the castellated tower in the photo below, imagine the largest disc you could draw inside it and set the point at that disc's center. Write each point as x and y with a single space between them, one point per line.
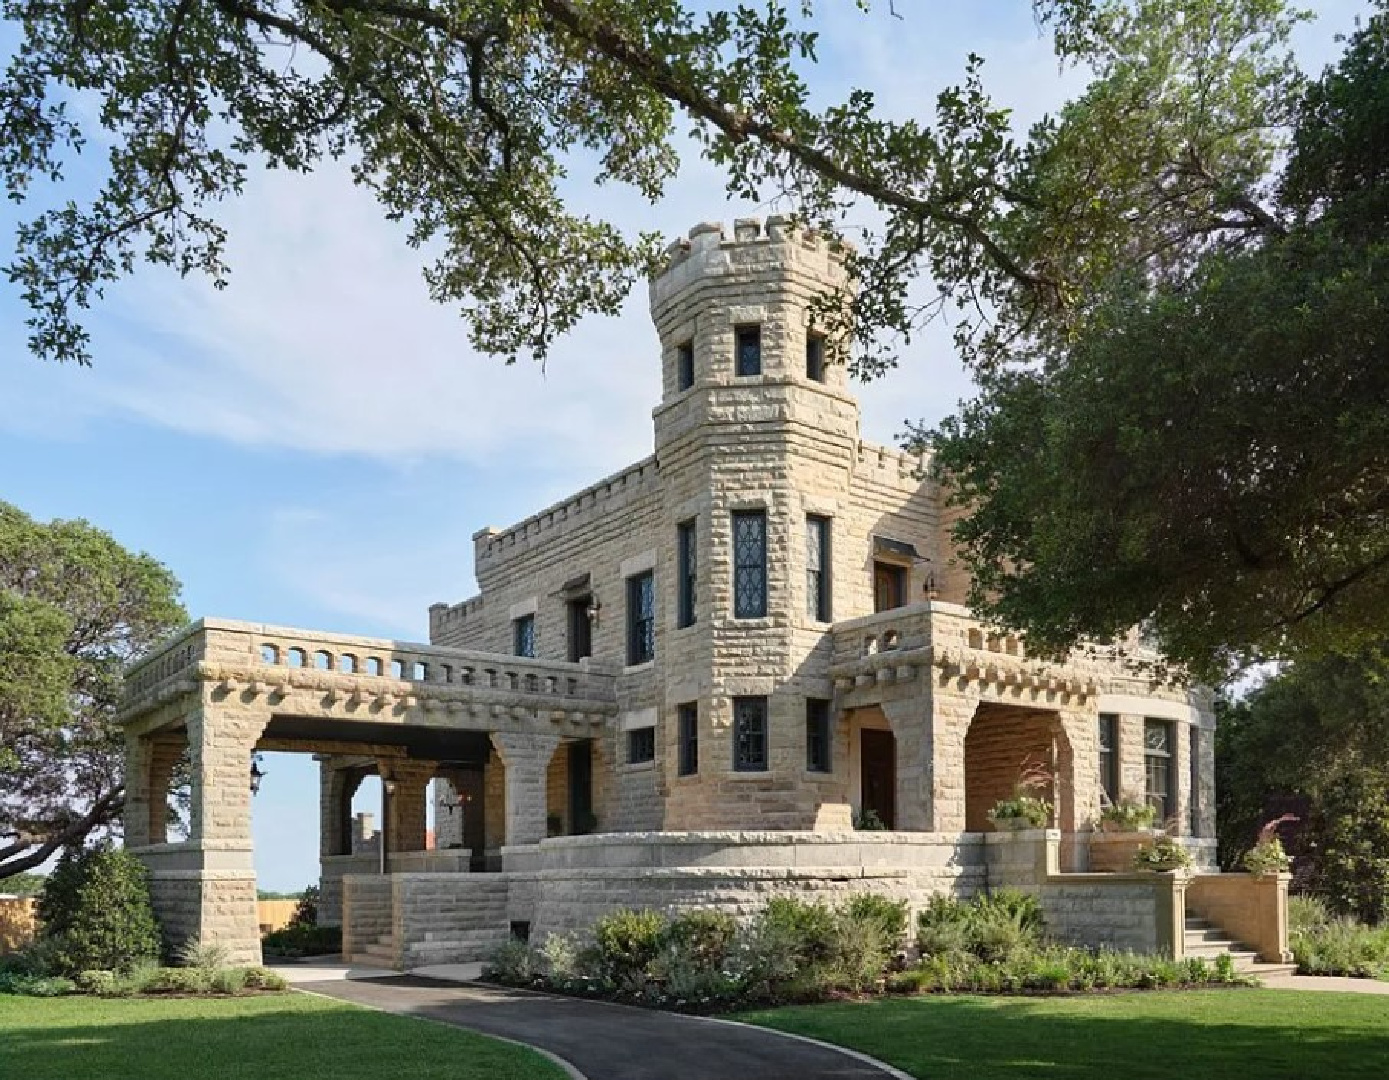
756 438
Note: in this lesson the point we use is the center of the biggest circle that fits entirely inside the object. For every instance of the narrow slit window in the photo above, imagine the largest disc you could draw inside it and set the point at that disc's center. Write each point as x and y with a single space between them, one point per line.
749 350
684 366
815 358
749 564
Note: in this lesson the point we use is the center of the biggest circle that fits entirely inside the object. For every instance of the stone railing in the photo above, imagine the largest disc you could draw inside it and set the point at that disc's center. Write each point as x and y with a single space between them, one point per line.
1254 908
272 654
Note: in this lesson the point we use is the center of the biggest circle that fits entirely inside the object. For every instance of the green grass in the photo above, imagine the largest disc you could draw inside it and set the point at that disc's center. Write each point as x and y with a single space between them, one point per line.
278 1037
1258 1034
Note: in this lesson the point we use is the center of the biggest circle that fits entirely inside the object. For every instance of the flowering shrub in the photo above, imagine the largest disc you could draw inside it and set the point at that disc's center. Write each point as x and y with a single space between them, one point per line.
1164 853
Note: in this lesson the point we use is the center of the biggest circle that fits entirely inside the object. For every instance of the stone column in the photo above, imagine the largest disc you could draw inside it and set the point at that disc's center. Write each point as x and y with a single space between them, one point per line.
526 759
205 889
953 709
137 790
406 805
913 728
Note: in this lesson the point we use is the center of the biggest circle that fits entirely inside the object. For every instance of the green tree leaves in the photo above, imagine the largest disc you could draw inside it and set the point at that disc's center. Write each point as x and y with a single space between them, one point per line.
75 608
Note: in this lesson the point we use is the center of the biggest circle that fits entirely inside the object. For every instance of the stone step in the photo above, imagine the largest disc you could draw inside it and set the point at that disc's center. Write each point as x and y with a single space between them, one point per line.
1206 933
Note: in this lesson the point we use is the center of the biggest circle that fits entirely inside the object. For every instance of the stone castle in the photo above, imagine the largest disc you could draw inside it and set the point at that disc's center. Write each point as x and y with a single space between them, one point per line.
741 665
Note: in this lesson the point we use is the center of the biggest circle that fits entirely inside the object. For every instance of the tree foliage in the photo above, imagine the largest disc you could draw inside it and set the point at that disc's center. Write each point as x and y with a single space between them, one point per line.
1205 450
468 118
75 608
1315 736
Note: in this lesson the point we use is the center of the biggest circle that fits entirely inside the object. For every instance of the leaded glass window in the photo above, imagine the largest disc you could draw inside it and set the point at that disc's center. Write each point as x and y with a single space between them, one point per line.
1159 775
1109 757
687 573
749 350
749 564
689 738
750 734
641 745
523 635
817 568
641 618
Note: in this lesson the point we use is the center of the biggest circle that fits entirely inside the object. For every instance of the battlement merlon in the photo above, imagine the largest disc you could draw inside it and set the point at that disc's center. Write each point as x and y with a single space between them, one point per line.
776 247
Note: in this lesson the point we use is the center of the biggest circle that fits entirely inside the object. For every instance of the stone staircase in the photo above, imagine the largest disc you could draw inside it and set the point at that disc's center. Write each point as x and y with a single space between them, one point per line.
381 952
1206 940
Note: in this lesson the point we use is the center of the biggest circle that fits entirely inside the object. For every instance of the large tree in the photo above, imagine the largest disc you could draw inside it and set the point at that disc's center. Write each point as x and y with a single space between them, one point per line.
75 608
467 117
1315 739
1206 451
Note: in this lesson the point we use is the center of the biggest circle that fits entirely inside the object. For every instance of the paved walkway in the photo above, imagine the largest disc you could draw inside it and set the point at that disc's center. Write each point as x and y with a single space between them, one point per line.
1326 982
609 1042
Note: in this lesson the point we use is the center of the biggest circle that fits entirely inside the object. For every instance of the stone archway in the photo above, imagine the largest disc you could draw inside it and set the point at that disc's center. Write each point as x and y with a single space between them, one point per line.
1002 742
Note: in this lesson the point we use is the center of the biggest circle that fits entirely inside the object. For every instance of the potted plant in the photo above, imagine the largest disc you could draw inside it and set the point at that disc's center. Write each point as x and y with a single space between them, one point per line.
1267 856
1022 811
1162 854
1127 816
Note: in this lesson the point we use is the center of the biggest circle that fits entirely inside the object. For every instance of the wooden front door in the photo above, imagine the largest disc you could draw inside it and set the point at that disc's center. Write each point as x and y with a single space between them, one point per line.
878 774
889 586
581 787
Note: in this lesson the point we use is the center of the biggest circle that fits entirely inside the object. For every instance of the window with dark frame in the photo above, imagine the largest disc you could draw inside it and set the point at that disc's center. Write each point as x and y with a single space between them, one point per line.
1109 757
750 734
580 627
815 357
1194 769
748 349
817 735
686 573
688 721
749 564
641 618
641 745
684 365
523 636
1159 775
817 567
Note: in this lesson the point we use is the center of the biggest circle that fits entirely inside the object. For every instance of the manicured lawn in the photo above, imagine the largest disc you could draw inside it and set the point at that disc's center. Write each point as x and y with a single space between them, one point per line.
1248 1034
281 1037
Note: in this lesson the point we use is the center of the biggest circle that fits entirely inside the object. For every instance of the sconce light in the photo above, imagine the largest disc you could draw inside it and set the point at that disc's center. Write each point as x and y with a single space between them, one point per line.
594 607
257 773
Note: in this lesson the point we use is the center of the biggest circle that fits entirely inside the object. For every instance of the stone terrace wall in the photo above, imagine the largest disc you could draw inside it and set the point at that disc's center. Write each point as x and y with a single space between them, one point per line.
449 918
366 913
574 880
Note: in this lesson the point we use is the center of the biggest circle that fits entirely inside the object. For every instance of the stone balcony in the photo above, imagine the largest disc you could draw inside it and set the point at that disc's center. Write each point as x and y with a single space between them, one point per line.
898 647
348 673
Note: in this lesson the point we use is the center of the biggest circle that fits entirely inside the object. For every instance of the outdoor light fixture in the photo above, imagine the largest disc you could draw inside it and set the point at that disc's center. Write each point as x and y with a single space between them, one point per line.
257 774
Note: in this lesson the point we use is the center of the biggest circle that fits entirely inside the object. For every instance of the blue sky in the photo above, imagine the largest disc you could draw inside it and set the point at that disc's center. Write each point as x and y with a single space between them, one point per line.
315 445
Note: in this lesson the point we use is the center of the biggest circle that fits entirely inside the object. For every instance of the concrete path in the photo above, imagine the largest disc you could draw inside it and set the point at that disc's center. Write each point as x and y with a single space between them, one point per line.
611 1042
1326 982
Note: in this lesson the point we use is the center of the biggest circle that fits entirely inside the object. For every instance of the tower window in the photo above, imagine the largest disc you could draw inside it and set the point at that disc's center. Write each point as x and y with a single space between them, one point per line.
523 635
815 357
689 738
641 745
1160 778
749 564
1109 757
750 734
684 366
817 567
749 350
641 618
687 573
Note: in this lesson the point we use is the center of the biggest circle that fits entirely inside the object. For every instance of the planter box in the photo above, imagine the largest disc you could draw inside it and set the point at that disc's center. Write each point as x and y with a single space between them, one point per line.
1113 852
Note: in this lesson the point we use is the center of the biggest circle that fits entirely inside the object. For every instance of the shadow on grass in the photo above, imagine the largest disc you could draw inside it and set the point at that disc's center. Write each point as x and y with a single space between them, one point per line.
290 1037
1253 1035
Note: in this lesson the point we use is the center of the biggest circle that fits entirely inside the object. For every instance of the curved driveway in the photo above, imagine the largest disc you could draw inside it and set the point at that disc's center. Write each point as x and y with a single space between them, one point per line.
611 1042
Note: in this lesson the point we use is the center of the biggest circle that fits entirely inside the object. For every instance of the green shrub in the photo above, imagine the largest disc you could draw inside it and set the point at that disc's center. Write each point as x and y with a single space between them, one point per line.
1022 908
1334 945
626 941
295 941
176 980
96 982
227 980
991 927
810 927
209 957
96 911
889 916
859 961
13 982
259 978
514 963
559 957
704 936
